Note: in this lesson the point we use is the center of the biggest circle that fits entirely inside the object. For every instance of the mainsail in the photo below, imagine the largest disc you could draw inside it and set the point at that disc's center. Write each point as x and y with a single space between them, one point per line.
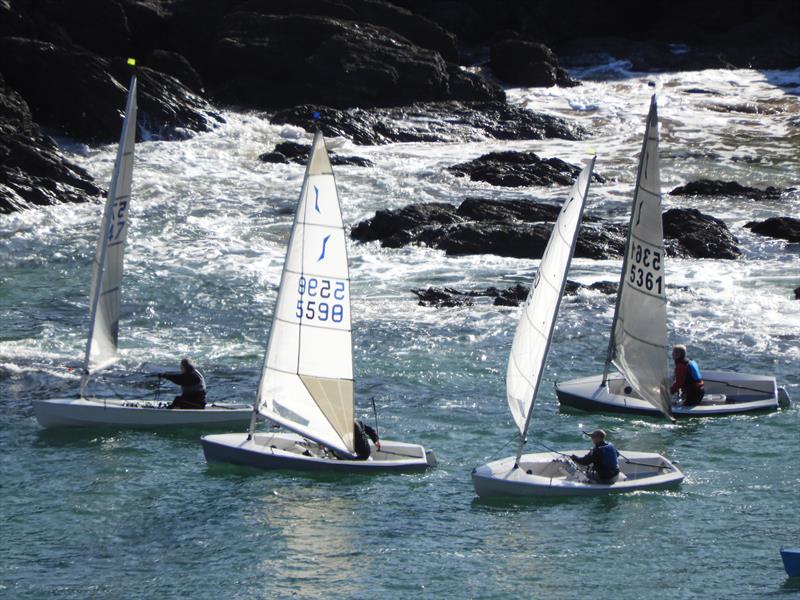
101 346
638 345
535 328
307 380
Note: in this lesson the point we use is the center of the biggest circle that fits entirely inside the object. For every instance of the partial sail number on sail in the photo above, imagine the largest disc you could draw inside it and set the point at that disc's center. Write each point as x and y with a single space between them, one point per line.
320 308
118 223
645 268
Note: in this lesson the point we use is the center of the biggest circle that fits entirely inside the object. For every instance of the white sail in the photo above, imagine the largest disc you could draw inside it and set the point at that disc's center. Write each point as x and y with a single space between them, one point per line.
638 345
535 328
307 381
101 346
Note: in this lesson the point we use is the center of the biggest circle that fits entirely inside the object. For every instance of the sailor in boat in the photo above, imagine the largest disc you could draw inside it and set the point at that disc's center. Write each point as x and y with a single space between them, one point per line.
688 379
602 459
193 386
361 431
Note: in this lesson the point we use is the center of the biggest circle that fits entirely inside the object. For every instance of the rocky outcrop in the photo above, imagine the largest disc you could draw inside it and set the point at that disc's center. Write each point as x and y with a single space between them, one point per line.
431 122
728 189
690 233
521 229
513 296
519 169
81 95
286 152
782 228
504 228
33 171
531 64
270 61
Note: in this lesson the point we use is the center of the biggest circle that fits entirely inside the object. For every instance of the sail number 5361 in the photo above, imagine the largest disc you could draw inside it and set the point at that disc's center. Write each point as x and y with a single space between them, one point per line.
318 299
645 272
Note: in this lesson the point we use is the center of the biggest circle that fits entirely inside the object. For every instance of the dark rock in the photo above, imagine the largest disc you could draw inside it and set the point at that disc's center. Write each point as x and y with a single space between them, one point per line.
431 122
690 233
518 169
489 209
513 296
394 227
33 171
797 293
91 93
498 231
442 297
271 61
523 63
709 187
285 152
782 228
417 29
176 65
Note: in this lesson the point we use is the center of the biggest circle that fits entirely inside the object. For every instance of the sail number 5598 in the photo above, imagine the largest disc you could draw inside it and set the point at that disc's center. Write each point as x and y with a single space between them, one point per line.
645 271
318 299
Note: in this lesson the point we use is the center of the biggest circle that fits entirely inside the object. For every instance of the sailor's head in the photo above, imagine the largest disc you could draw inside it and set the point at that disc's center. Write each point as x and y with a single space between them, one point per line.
598 436
186 365
678 352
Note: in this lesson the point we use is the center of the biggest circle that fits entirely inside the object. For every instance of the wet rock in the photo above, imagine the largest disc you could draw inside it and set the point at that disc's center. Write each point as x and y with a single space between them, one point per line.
690 233
33 171
530 64
512 296
782 228
503 228
286 152
96 88
519 169
396 228
709 187
442 297
431 122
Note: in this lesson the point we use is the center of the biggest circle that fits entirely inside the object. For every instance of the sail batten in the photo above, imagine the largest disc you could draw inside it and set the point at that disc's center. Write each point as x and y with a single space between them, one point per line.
535 327
638 344
107 265
307 379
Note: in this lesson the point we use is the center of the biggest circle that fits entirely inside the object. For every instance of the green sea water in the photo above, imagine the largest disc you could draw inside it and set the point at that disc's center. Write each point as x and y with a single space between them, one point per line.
139 514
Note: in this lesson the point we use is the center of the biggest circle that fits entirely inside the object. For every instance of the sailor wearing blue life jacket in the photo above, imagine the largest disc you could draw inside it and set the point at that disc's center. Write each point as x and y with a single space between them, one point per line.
688 379
193 386
602 459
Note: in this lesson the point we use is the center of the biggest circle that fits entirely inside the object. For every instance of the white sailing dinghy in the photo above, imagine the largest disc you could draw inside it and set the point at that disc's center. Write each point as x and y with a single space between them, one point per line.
101 345
307 379
638 344
552 473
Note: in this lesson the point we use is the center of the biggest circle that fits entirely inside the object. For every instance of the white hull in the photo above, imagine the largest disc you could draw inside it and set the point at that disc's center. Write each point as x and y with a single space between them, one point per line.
550 474
82 412
727 393
293 452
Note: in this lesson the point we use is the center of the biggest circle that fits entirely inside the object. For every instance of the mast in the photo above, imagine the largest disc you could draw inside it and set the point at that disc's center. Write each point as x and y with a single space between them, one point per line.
611 346
542 307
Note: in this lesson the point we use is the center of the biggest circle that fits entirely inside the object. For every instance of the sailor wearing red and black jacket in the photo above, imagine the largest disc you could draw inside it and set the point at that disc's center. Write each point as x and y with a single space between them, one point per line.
688 379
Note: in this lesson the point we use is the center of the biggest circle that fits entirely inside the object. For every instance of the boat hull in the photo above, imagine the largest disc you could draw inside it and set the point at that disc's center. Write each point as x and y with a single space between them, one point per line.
727 393
546 474
286 451
82 412
791 561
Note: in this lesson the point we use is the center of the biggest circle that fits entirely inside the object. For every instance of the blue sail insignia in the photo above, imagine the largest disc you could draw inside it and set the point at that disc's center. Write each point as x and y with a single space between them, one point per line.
324 244
316 199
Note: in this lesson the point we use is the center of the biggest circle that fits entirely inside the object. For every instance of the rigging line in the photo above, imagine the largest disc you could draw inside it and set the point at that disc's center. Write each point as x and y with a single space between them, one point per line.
506 445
